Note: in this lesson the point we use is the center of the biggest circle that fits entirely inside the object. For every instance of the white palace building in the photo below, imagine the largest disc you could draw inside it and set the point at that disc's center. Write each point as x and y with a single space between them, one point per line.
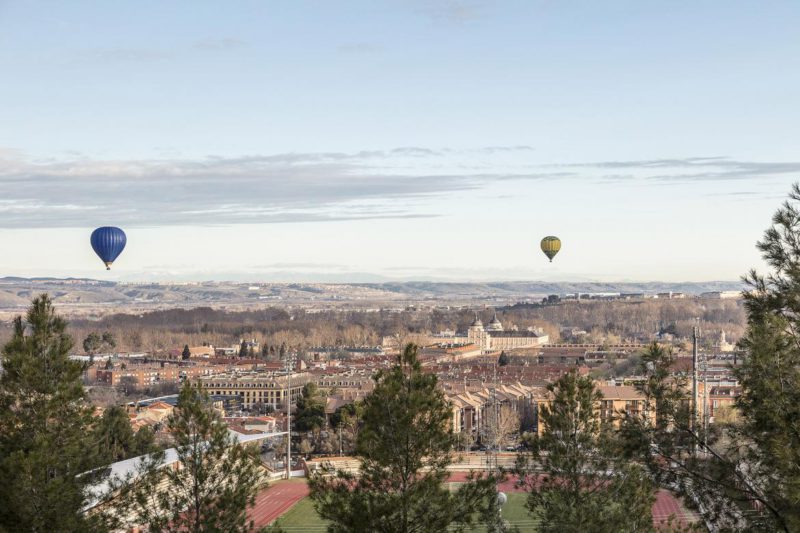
494 337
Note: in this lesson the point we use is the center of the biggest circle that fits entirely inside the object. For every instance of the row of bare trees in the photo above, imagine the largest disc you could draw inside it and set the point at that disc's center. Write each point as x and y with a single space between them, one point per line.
604 321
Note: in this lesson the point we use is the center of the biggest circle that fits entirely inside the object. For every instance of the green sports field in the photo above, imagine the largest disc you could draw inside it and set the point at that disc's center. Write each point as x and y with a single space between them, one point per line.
302 518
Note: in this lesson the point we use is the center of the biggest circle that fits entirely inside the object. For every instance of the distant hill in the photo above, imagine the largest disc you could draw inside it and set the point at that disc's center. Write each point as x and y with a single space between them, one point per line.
103 296
561 288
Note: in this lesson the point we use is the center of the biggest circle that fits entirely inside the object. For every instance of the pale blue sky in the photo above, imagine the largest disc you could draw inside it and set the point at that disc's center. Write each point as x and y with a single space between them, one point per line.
409 139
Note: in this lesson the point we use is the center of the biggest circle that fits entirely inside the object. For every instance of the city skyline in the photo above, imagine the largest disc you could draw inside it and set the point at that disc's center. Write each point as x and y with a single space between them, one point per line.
406 140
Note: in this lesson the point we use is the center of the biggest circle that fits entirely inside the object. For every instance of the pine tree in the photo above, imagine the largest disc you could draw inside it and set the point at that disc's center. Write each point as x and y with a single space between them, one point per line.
574 472
346 421
310 409
44 427
404 446
109 342
144 441
92 342
217 480
503 360
187 353
116 439
743 475
770 374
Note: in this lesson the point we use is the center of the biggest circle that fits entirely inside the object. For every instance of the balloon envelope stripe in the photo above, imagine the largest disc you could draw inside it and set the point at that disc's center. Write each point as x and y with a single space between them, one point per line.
108 242
550 245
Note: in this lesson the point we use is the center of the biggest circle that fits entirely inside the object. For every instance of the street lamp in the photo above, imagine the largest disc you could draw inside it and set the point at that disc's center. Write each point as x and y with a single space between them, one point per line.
289 363
502 499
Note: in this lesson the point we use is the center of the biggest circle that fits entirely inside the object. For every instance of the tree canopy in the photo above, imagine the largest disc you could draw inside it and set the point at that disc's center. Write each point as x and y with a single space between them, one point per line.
44 427
310 409
576 477
404 447
744 473
503 360
95 342
117 441
216 483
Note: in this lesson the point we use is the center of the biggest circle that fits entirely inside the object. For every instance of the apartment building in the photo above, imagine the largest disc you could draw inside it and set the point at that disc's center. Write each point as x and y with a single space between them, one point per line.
151 374
257 387
615 401
470 406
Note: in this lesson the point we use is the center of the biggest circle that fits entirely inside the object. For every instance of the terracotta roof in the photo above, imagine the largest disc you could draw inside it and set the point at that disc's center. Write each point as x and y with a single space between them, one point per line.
159 405
624 392
332 404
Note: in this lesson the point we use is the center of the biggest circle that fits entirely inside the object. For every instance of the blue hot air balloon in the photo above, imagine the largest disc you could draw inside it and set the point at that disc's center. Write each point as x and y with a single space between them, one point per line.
108 242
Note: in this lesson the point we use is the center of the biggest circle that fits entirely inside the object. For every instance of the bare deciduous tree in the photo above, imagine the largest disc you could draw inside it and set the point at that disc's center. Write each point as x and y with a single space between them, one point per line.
500 424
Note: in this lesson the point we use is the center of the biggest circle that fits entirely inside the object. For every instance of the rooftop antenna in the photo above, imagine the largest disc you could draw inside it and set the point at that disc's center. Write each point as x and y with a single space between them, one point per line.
695 337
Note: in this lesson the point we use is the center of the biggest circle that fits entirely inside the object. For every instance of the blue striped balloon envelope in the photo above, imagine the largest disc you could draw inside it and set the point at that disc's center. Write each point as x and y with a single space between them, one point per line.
108 242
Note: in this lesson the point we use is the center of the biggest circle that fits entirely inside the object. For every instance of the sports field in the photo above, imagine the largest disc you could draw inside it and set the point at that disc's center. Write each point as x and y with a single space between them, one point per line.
302 518
276 500
288 500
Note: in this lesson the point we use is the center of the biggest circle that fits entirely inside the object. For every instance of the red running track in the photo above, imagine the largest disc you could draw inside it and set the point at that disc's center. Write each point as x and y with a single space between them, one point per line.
279 497
666 503
276 499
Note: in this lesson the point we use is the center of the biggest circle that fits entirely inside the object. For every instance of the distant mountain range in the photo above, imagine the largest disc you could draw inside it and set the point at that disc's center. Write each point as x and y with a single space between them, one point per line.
88 294
560 287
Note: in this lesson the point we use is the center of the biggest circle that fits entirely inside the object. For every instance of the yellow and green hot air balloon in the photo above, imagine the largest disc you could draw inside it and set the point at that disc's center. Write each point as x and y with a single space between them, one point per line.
550 246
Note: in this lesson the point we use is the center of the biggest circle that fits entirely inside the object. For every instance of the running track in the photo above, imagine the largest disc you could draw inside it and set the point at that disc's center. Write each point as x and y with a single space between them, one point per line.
666 503
276 499
280 496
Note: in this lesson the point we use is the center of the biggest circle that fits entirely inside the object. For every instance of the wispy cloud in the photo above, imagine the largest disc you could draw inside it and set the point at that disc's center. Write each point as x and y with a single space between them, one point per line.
656 163
500 149
416 151
714 168
302 187
217 190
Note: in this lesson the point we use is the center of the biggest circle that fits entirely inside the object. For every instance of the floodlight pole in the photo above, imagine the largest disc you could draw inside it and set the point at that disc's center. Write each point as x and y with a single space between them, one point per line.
695 334
706 413
289 367
496 436
693 421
